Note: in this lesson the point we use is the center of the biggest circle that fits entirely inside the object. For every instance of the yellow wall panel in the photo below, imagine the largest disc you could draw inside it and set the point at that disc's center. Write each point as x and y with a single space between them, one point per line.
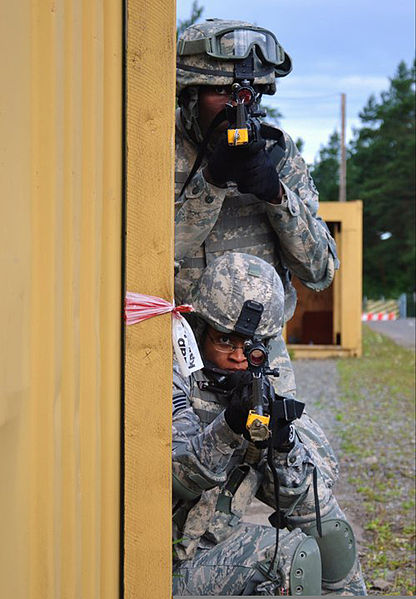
149 263
14 297
61 166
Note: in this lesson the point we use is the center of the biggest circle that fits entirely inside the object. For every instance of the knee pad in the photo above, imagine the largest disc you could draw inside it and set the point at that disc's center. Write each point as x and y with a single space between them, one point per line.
337 548
305 571
298 569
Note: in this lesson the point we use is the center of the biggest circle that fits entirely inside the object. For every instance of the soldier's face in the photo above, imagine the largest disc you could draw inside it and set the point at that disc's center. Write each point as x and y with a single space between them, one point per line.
212 99
216 351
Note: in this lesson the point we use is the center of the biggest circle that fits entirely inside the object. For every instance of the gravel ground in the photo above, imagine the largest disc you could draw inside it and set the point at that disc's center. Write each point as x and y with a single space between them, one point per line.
317 385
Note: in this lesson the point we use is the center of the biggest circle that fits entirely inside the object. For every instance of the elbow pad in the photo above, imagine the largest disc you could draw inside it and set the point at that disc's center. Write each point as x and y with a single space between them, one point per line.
182 492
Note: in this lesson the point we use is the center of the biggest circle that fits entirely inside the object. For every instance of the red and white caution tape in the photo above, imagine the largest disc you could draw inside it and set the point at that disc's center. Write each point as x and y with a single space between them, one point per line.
379 316
139 307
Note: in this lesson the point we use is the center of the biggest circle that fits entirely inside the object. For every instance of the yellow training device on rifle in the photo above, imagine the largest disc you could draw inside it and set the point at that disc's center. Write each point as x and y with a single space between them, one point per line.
258 426
237 137
242 96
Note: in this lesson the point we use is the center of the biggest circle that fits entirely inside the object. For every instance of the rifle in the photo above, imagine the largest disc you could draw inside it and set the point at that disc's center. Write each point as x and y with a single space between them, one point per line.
244 123
243 115
270 414
269 410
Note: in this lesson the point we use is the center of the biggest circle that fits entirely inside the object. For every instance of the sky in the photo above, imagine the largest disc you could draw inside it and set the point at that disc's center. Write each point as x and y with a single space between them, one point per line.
336 46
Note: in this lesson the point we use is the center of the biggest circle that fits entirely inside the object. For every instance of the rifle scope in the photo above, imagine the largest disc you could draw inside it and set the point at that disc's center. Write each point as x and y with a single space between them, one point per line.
256 354
243 94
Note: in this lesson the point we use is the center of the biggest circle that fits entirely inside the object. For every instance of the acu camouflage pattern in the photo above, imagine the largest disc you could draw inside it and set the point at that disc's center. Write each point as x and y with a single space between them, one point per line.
234 567
206 453
279 358
231 280
210 221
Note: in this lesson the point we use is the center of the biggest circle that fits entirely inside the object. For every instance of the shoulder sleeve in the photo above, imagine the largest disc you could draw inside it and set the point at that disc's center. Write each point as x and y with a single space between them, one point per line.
180 390
307 247
201 454
197 212
198 207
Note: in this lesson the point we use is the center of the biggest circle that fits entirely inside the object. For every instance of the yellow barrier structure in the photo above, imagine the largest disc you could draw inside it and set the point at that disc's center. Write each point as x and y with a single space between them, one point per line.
60 305
328 324
62 149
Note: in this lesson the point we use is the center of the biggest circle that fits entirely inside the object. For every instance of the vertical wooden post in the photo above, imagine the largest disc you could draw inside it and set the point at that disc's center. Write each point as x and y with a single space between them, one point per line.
149 270
351 281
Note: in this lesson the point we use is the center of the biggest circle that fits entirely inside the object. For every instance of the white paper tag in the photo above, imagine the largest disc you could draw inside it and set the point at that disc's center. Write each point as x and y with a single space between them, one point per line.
185 347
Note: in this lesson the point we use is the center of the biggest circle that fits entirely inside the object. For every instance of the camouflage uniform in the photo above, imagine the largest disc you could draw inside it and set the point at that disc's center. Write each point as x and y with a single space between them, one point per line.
210 221
217 473
218 553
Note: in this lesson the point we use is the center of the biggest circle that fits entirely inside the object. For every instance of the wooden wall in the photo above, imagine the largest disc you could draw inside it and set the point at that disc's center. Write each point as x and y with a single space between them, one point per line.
61 188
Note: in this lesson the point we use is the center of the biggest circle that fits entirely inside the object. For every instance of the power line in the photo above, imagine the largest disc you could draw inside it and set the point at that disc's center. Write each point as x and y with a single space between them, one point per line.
302 98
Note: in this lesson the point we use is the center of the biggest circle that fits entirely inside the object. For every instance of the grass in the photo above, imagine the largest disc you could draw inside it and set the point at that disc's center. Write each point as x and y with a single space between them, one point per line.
377 443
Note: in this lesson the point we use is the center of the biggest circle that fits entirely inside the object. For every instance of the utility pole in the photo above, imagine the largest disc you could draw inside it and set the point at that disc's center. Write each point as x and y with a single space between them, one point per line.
343 163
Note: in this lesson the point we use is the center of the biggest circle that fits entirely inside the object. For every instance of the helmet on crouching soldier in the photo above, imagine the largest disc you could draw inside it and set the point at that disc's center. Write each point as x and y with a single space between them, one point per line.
242 294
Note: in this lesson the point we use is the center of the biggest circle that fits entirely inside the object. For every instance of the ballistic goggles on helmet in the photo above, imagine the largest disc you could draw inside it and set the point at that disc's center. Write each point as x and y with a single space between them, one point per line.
236 43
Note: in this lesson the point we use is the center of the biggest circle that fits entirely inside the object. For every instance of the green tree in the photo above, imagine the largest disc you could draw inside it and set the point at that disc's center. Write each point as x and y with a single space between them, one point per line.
381 172
325 170
196 12
300 144
273 114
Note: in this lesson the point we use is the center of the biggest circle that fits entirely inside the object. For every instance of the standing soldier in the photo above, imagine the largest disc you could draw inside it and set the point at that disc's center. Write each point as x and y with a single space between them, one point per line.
258 197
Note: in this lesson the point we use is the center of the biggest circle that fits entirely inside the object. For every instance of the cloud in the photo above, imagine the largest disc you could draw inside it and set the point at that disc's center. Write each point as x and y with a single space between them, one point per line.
314 133
320 85
311 105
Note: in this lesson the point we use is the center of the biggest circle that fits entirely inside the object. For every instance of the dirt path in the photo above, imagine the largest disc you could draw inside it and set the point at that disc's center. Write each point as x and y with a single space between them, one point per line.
402 331
317 384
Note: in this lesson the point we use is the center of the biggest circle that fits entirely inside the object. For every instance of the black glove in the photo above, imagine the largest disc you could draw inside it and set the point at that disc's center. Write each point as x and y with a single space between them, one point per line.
259 176
285 410
236 412
223 162
249 166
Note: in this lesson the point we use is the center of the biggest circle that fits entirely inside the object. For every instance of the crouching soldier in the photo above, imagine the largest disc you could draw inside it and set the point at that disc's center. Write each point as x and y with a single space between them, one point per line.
220 465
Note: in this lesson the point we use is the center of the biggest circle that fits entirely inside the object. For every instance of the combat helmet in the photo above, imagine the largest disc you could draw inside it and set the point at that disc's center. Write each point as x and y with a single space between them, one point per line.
213 52
243 294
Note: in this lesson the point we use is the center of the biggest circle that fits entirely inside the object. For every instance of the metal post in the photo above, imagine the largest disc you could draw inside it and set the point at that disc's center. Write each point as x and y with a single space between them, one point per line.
402 302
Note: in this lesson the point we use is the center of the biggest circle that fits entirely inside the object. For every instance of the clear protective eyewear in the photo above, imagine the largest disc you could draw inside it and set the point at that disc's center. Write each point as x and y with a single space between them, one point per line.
226 347
236 43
